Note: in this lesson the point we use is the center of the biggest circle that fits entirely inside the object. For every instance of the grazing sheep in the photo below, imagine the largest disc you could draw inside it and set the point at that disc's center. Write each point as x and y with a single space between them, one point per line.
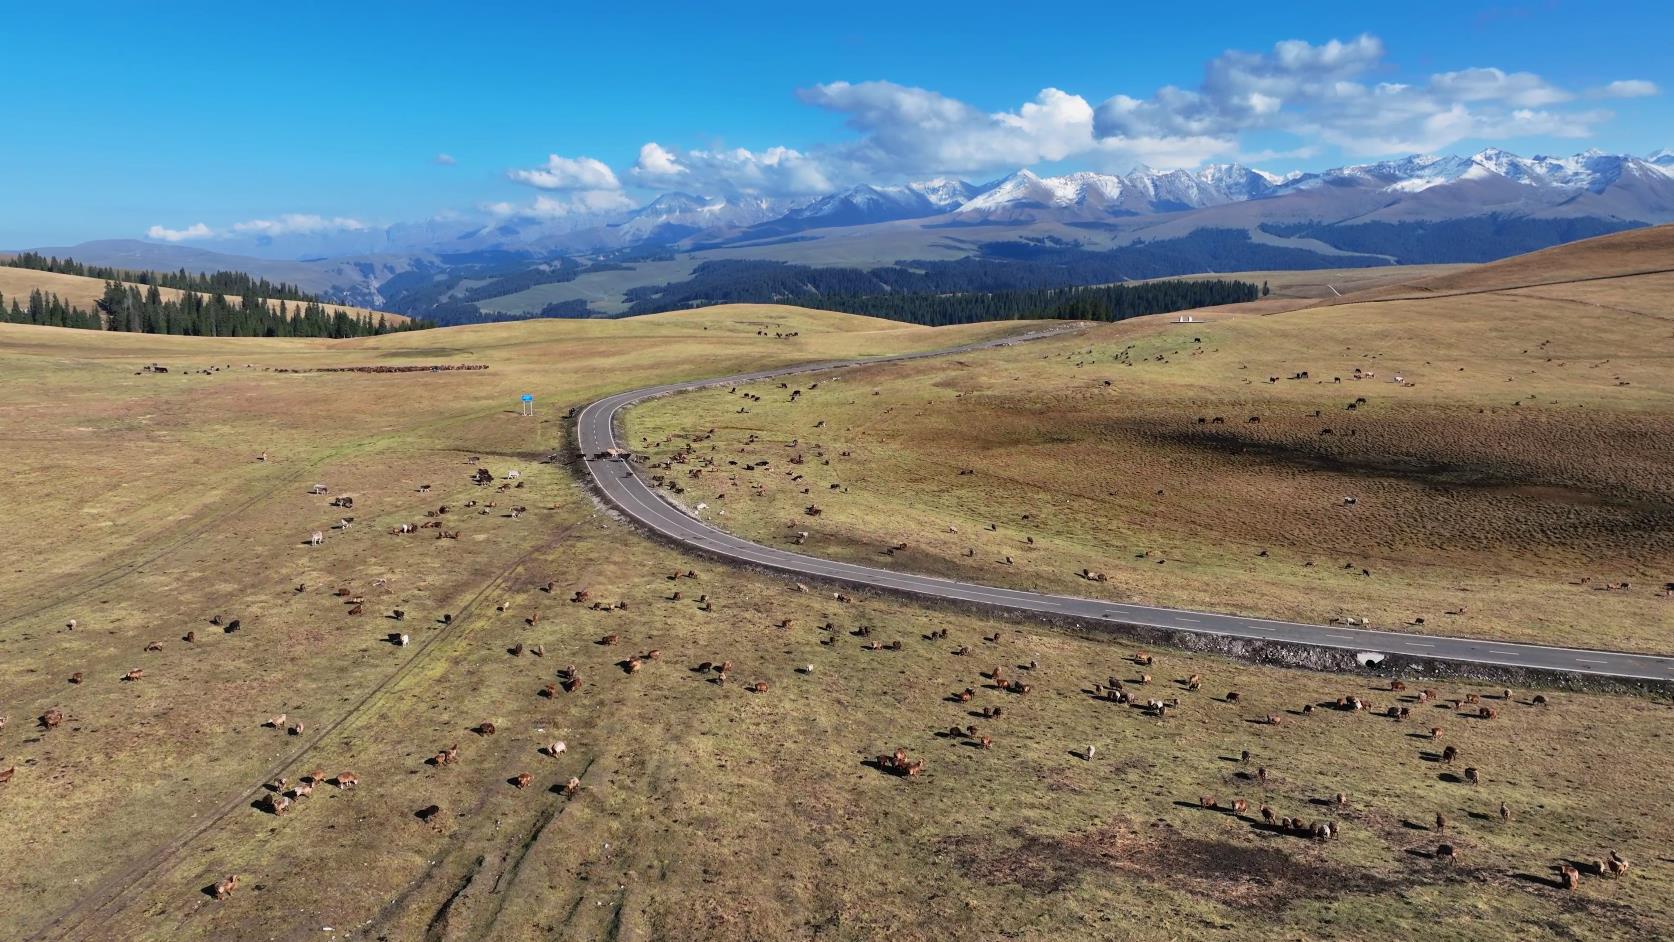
1569 876
485 728
134 674
522 780
1441 821
346 780
1207 801
1472 776
572 786
1505 811
556 749
1616 865
7 773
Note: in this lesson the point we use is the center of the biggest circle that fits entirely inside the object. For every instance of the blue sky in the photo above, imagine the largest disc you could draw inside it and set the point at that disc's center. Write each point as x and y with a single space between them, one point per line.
129 116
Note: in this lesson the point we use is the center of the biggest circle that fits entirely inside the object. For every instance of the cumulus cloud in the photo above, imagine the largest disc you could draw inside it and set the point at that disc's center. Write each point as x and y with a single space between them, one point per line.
1629 88
1333 93
1319 94
196 230
655 160
569 173
297 224
774 171
577 203
287 224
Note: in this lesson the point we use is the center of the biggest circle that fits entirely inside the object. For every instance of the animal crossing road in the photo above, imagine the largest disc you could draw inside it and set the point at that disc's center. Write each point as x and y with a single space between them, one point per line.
623 485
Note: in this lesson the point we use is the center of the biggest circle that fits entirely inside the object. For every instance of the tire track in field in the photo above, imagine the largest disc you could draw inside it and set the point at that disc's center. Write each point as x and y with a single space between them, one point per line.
83 916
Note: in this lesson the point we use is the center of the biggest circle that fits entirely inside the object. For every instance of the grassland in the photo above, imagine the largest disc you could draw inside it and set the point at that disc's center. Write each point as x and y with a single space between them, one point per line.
136 507
1522 465
83 292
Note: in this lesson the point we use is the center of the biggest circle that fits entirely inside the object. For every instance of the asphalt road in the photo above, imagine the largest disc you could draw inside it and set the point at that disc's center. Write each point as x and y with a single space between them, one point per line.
622 484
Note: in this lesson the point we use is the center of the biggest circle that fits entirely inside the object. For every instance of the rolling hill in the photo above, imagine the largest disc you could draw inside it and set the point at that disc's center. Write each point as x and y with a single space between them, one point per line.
83 292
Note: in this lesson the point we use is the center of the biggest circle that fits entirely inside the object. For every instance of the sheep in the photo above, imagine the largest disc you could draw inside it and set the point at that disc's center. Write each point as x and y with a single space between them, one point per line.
346 780
448 756
1207 801
572 786
316 538
154 646
1569 876
1473 776
134 674
1240 806
1505 812
276 803
275 722
1446 853
1449 754
485 728
556 749
522 779
1441 821
7 773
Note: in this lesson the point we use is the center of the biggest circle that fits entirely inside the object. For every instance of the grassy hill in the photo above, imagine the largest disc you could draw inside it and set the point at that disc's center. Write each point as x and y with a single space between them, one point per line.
82 292
139 509
1522 463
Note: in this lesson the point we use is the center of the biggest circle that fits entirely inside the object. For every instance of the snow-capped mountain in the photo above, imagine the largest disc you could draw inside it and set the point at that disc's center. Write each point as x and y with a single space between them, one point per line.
676 215
1544 181
865 204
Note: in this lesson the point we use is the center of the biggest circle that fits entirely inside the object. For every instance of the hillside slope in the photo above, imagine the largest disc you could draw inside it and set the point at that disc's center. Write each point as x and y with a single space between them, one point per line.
1523 459
85 292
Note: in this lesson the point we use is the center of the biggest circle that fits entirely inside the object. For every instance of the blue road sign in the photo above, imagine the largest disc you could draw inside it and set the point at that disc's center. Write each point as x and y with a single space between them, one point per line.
528 398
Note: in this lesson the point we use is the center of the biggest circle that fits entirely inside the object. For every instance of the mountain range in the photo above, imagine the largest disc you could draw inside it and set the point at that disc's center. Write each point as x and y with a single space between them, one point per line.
1419 208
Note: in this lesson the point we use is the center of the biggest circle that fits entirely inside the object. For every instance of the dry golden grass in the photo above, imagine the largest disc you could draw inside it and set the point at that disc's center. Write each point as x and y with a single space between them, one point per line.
1526 462
705 811
17 283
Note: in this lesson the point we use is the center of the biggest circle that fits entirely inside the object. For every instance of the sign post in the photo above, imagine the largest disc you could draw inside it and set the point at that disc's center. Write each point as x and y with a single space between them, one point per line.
528 405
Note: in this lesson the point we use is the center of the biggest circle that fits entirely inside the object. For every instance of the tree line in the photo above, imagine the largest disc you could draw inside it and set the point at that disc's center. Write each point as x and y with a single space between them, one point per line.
1103 303
220 282
129 308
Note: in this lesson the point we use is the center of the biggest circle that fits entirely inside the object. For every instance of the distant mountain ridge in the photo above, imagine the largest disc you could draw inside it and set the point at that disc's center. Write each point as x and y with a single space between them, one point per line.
1419 208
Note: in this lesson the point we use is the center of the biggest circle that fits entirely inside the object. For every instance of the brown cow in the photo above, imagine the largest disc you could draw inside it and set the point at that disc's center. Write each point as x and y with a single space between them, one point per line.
224 888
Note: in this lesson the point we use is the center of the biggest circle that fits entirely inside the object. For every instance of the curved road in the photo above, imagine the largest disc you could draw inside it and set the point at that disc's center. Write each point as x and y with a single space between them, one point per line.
622 484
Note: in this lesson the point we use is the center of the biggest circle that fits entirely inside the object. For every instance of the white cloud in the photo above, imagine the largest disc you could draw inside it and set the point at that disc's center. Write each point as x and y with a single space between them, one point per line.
196 230
1629 88
569 173
775 171
445 160
1524 89
578 203
298 224
287 224
1318 94
655 160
